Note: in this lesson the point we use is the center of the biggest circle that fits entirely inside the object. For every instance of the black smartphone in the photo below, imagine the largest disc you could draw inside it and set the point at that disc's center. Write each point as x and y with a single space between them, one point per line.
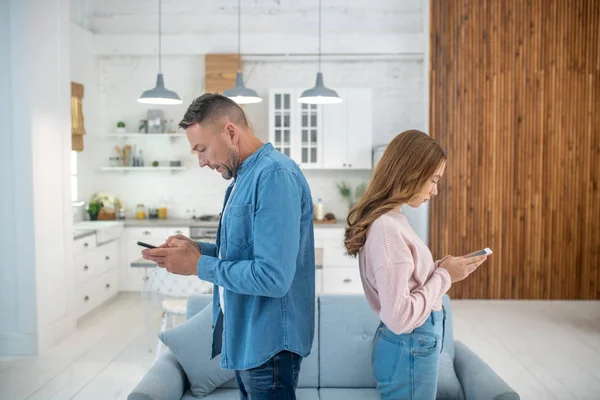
146 245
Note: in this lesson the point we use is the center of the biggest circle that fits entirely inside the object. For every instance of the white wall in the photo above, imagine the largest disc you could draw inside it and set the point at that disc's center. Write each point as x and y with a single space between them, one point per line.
125 46
36 224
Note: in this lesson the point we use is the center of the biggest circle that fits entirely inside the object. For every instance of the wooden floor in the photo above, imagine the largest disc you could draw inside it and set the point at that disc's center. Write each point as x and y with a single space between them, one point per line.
545 350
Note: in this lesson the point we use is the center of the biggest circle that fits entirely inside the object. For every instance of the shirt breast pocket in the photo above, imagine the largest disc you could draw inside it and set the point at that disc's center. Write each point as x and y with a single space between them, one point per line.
240 231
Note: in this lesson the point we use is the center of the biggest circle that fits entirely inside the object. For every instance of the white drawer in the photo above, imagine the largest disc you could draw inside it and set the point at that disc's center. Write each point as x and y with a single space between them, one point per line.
318 281
84 244
86 267
342 280
107 256
108 284
97 290
87 296
154 233
329 233
182 230
334 255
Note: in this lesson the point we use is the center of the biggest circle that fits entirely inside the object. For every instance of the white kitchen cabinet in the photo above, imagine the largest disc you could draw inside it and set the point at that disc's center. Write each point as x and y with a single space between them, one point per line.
341 281
84 244
318 281
96 261
347 131
96 291
96 273
340 272
334 252
295 129
332 136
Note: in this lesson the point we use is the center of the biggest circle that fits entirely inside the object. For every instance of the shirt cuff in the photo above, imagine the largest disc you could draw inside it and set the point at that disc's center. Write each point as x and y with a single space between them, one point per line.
206 268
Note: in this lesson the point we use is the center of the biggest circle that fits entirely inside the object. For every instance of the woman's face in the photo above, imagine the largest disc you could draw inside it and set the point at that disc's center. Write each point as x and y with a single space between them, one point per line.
429 189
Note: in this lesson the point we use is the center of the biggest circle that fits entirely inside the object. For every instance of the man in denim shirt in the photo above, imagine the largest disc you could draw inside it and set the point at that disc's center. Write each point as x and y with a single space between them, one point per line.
263 264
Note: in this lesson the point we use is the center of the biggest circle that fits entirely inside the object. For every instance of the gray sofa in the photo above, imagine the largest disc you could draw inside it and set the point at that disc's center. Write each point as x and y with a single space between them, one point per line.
339 366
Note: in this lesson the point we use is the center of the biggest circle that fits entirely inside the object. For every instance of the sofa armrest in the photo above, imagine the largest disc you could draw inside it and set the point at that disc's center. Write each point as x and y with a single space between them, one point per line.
478 380
164 381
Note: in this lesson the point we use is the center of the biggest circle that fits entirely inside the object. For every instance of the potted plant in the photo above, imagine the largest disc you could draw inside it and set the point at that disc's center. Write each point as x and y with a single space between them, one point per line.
351 197
94 209
120 127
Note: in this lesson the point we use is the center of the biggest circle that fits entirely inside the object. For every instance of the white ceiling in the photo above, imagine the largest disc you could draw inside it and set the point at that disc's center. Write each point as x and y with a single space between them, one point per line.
258 16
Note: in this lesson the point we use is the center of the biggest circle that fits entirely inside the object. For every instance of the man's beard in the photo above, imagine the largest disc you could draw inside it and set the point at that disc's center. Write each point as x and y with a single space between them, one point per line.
231 172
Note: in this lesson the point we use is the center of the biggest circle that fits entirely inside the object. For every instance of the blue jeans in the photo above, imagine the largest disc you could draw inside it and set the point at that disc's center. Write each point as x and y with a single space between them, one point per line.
276 379
406 366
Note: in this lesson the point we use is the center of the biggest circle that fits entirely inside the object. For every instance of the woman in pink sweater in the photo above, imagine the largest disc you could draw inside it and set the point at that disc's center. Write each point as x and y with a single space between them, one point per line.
403 284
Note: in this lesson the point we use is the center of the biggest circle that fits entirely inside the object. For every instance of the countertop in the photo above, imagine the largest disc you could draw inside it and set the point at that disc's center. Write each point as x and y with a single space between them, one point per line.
173 222
82 230
78 234
169 223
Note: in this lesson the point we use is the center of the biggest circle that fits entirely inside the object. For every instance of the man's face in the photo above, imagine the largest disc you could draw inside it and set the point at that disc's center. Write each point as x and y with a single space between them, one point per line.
214 144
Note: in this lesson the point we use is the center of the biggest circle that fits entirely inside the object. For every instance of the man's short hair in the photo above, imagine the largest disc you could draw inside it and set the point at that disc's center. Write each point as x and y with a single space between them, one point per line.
211 107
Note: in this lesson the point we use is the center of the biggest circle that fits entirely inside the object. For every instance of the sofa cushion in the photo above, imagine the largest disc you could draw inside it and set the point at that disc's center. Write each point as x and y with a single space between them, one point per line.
190 342
449 387
347 326
234 394
448 329
197 303
348 394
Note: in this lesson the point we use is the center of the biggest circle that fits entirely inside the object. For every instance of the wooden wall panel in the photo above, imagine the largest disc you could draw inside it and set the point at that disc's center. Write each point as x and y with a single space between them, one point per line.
219 72
515 102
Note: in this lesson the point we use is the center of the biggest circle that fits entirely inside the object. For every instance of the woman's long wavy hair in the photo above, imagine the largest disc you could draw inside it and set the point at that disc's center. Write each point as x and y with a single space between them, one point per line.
408 162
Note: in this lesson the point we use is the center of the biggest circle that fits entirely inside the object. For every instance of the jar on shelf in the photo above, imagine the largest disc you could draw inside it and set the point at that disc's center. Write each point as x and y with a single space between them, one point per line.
140 212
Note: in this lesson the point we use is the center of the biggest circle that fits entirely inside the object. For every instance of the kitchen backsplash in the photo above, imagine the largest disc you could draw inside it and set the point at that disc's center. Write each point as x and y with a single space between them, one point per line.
200 190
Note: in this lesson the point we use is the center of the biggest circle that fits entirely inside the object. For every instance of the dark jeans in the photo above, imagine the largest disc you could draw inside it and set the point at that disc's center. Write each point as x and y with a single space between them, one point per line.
276 379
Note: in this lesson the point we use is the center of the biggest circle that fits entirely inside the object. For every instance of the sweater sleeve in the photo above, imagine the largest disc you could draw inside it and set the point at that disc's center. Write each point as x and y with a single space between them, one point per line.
393 266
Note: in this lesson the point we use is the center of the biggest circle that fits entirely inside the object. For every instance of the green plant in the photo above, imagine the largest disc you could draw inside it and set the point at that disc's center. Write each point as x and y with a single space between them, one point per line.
120 124
93 209
349 195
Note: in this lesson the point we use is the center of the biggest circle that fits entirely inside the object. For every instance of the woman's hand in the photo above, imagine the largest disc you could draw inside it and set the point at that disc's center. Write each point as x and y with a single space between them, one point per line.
461 267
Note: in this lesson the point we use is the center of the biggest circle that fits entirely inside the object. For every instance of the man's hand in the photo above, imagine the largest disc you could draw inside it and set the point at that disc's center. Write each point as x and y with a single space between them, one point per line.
178 256
167 243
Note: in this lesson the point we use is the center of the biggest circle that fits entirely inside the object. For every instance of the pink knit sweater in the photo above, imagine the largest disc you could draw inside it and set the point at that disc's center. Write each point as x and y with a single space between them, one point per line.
401 281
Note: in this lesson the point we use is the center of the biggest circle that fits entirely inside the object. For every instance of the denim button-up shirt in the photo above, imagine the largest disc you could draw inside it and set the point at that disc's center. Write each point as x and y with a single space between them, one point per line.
267 264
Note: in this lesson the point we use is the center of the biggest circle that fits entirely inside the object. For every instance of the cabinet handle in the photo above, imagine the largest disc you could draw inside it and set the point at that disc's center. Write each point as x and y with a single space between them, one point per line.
85 244
347 280
85 267
350 165
146 233
108 285
344 165
107 258
86 298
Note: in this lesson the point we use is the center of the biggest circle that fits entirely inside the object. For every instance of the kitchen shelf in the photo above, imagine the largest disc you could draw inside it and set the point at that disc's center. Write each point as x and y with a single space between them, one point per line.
142 169
146 135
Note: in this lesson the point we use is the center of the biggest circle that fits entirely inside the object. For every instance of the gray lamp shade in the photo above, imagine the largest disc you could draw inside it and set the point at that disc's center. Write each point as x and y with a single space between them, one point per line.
319 94
240 93
159 95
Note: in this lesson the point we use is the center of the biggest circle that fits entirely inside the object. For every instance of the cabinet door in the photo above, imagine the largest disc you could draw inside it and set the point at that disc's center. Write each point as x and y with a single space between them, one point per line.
86 267
310 129
281 123
342 281
107 256
335 125
334 252
359 137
